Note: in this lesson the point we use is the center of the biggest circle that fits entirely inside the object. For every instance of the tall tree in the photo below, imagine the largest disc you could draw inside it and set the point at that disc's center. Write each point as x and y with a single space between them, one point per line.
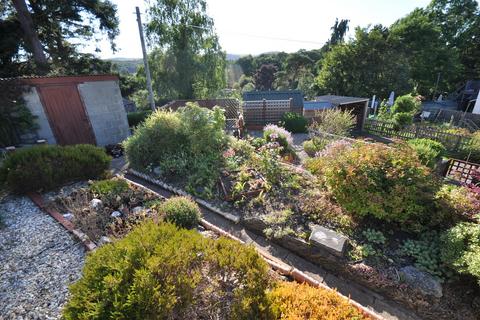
191 55
459 21
365 66
30 35
420 40
264 77
339 30
61 26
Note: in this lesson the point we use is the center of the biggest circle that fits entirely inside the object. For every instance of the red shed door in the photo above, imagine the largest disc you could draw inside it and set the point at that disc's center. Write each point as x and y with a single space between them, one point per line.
66 114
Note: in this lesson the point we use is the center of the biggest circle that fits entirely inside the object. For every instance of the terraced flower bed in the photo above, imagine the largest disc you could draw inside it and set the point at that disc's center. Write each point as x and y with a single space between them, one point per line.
402 224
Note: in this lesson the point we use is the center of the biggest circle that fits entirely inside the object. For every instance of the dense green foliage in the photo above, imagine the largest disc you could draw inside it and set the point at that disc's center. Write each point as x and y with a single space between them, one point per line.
181 211
109 187
137 117
373 180
462 201
187 60
461 247
160 272
15 117
294 122
58 26
47 167
428 151
183 144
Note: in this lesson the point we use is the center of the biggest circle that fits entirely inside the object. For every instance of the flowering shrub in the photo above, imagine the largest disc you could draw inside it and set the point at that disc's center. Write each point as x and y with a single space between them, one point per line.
334 121
272 132
300 301
334 148
372 180
462 200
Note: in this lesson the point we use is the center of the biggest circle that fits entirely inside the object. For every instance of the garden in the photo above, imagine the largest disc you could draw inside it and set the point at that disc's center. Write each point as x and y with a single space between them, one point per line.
153 258
409 235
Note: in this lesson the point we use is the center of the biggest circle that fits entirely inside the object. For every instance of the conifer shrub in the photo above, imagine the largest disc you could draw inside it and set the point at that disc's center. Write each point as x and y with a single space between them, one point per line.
51 166
161 272
301 301
181 211
294 122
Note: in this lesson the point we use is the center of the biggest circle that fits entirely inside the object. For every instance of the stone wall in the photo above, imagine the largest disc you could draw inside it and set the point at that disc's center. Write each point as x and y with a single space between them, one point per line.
33 103
104 106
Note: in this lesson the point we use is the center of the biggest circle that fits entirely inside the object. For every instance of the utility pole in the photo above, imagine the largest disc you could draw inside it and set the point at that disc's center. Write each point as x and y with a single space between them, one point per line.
145 60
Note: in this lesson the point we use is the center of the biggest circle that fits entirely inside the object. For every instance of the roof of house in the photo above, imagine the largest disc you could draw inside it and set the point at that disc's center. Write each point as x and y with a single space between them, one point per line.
295 95
231 106
62 79
340 100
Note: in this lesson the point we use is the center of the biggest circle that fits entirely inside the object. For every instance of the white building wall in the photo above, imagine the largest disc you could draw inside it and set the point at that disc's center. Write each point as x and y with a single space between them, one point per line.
104 106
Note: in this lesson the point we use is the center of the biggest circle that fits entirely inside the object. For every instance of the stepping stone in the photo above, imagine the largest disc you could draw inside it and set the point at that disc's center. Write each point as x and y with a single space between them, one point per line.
328 239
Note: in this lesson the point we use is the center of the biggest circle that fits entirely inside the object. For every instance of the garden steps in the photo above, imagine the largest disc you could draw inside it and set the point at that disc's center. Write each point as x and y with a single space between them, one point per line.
373 301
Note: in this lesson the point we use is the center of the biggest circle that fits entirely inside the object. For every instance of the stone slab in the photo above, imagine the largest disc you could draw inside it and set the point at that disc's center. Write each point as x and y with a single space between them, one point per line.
328 239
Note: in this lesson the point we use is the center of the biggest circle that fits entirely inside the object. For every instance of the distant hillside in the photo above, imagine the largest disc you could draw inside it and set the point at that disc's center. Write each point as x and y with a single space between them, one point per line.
128 65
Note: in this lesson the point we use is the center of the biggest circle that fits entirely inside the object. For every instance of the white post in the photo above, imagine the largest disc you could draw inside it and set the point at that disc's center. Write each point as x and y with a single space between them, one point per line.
476 108
374 107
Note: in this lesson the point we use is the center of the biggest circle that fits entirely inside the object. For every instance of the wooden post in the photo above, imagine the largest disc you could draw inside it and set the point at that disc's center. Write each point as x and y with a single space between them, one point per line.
365 115
291 104
264 111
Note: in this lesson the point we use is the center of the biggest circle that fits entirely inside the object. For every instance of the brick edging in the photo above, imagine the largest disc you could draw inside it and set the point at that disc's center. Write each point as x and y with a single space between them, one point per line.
82 237
227 215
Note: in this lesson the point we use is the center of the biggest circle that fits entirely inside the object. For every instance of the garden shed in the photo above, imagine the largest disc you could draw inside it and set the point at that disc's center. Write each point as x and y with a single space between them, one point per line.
358 106
75 109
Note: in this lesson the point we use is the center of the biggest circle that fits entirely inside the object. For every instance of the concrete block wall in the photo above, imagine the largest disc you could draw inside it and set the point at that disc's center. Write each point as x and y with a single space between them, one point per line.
33 103
104 107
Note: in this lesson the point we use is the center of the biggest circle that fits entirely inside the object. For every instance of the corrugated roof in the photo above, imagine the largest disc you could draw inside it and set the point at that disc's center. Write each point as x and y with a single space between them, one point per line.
295 95
340 100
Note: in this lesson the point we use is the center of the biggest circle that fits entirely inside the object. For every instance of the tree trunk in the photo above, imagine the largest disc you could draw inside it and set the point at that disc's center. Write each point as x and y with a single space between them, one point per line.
31 36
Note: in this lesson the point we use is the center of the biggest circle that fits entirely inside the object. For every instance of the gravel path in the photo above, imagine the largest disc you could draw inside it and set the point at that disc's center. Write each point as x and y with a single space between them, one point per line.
38 260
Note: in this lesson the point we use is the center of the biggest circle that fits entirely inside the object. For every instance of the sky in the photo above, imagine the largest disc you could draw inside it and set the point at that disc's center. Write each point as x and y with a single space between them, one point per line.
257 26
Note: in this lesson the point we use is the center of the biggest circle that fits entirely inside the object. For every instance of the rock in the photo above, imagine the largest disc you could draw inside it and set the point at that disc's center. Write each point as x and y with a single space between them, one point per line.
96 204
104 240
137 210
328 239
422 281
116 214
69 216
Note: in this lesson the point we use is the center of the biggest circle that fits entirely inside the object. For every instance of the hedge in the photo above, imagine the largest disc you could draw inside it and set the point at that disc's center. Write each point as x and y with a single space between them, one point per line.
48 167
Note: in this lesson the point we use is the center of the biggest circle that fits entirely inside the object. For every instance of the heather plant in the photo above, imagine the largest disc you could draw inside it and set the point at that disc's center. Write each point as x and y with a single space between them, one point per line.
373 180
161 272
428 151
334 121
460 249
273 133
291 300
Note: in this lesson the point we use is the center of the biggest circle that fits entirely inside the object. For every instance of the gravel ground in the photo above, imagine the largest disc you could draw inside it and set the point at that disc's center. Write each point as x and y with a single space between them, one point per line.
38 260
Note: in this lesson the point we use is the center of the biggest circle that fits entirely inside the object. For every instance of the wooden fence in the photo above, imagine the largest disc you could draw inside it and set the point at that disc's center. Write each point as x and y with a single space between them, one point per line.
262 112
452 142
461 171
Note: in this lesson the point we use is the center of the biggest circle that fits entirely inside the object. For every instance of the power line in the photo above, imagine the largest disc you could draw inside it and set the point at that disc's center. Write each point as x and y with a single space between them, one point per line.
264 37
